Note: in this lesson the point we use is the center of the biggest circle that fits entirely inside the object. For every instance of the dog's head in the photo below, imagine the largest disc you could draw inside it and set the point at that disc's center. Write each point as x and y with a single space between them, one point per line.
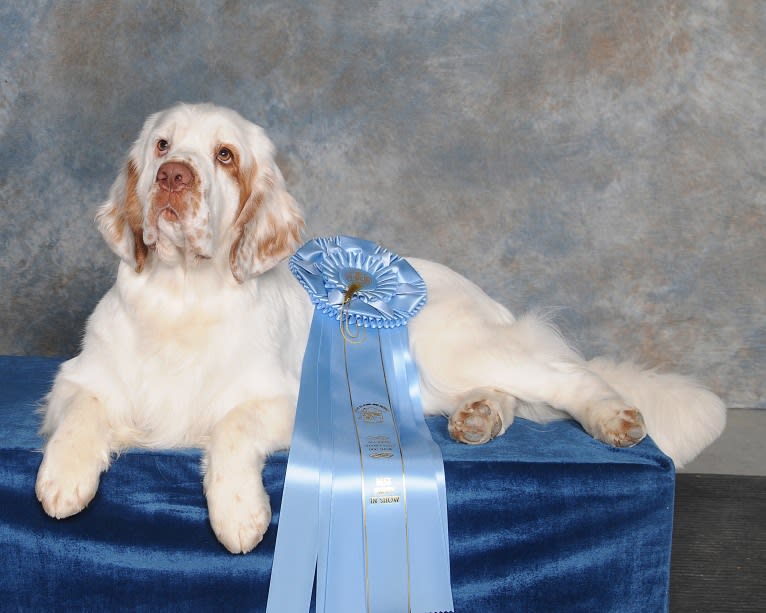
199 183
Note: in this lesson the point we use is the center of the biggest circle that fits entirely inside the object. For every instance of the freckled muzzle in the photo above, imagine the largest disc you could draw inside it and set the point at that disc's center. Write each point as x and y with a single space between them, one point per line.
178 215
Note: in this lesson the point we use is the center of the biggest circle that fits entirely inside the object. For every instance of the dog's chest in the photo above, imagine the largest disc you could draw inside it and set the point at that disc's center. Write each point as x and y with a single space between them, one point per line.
185 335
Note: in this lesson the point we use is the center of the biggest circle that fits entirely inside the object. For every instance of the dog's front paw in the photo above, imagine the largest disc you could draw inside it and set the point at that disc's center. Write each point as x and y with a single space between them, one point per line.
67 479
475 423
239 510
624 427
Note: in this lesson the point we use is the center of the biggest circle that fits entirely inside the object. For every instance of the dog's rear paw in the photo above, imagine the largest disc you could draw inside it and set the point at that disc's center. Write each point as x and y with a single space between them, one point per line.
623 428
476 423
240 512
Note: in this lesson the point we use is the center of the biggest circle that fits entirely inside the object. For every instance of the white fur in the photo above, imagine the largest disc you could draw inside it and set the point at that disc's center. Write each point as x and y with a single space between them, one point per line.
203 347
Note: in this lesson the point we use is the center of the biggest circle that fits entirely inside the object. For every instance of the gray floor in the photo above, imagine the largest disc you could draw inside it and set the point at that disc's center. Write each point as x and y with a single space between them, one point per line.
741 449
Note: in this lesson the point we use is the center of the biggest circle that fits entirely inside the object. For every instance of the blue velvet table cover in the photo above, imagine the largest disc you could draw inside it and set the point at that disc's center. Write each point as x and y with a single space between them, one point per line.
542 519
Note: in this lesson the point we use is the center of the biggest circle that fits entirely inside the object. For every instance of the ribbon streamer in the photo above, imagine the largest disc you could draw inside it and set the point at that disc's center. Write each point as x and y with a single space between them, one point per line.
364 505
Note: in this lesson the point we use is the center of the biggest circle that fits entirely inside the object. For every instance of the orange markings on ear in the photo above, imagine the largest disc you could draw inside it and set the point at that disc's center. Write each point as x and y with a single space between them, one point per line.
268 225
245 178
249 203
120 219
135 216
280 240
247 210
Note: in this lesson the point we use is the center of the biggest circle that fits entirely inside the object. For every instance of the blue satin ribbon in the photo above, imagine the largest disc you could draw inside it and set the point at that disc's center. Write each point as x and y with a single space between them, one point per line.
364 505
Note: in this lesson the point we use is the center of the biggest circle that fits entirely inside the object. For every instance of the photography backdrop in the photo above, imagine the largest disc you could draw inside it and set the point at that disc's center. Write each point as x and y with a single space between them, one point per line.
604 158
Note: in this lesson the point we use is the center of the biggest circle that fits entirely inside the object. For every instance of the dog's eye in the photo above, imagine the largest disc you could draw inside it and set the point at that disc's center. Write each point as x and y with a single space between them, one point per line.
162 146
224 155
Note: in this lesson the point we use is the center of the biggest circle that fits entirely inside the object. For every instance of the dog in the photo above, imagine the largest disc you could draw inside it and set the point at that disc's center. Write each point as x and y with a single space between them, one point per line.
199 342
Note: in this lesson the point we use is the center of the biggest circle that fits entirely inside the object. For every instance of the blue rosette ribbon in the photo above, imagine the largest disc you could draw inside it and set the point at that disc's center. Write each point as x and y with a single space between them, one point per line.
390 291
364 510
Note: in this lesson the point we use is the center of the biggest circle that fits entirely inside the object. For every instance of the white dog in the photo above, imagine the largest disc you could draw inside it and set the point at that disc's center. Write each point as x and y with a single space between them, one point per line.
200 341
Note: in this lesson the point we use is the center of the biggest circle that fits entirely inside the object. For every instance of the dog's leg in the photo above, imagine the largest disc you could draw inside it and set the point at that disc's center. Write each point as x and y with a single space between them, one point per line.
238 504
599 409
477 373
74 457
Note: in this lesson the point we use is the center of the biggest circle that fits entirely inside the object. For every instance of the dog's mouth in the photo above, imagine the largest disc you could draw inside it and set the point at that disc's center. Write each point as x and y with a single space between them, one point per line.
168 213
173 206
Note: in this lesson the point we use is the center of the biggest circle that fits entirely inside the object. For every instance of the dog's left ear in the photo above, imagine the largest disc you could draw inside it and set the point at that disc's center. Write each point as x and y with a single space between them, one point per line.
269 225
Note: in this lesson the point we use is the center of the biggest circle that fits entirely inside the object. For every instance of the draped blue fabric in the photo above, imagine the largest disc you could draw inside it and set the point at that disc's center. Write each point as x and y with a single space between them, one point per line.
541 519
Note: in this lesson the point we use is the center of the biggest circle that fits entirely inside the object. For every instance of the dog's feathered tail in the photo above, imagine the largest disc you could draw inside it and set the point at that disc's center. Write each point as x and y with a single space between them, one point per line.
681 416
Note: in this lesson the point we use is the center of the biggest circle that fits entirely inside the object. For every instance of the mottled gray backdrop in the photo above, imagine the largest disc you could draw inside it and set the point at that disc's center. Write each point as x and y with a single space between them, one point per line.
605 157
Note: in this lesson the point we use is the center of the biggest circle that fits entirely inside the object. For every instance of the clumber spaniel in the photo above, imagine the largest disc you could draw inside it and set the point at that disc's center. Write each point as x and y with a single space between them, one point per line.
200 340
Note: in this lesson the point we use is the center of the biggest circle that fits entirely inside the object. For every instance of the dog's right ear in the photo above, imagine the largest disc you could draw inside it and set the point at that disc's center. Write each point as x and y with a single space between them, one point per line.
121 219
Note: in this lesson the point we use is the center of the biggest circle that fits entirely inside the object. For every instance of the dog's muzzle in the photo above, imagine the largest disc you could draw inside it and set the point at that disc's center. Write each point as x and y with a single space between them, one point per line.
178 214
